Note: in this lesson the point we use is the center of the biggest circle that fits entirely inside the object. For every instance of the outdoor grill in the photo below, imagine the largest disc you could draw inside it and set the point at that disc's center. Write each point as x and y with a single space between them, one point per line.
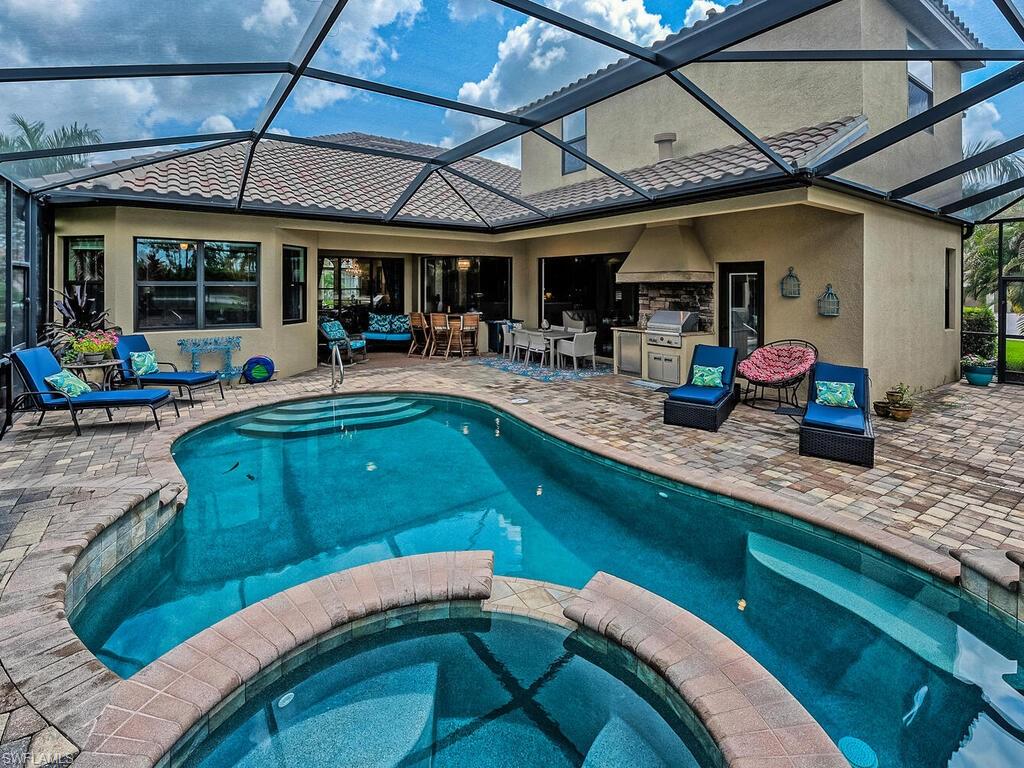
667 326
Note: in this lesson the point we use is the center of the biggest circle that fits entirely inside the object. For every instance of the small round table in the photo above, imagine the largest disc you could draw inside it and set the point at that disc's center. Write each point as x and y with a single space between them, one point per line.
107 367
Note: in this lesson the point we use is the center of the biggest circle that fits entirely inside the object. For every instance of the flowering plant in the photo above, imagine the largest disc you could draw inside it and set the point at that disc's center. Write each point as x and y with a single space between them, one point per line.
976 361
95 342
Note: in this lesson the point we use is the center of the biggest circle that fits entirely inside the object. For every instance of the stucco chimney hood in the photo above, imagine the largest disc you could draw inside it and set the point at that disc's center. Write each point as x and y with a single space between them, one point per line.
669 253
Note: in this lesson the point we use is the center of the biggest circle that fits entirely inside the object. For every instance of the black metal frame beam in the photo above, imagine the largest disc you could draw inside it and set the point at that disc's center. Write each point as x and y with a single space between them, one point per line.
409 191
584 157
984 196
1012 14
582 29
868 54
955 169
404 93
722 114
131 165
495 191
317 31
946 109
466 202
126 71
111 146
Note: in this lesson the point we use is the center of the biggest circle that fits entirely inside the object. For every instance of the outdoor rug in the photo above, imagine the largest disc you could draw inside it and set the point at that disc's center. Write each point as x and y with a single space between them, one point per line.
541 373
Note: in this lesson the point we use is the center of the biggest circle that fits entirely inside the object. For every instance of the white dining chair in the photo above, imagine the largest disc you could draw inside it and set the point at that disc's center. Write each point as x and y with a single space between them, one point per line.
507 344
520 343
581 345
536 344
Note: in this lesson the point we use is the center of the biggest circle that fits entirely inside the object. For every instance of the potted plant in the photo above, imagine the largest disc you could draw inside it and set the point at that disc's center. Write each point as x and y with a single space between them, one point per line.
882 407
902 409
977 370
893 395
94 345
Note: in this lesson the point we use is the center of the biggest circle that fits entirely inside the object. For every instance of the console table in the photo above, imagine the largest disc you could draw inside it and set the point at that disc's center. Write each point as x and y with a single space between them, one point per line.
224 345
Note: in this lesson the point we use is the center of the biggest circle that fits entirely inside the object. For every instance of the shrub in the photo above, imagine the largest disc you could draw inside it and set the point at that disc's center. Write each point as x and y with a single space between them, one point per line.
979 321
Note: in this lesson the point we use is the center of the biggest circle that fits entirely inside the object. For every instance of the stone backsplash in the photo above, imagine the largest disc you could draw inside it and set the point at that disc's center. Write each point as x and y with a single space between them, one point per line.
689 297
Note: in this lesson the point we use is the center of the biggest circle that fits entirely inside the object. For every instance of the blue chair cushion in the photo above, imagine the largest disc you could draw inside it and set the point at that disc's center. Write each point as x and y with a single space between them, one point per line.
357 343
120 398
835 417
717 357
691 393
179 378
375 336
34 365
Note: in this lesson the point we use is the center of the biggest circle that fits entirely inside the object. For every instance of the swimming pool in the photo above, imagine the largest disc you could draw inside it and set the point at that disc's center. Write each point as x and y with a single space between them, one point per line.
465 693
925 679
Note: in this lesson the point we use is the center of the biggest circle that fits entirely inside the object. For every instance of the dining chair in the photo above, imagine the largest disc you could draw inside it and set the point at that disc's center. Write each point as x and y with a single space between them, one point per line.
581 345
471 333
520 343
455 336
439 333
420 334
507 346
536 343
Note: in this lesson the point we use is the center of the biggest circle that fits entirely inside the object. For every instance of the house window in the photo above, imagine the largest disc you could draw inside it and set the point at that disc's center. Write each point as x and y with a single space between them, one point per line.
293 282
468 284
83 268
950 288
919 81
195 284
574 133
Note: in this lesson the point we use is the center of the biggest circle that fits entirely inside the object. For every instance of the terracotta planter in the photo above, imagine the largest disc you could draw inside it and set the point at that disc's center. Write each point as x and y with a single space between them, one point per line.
881 407
893 396
901 412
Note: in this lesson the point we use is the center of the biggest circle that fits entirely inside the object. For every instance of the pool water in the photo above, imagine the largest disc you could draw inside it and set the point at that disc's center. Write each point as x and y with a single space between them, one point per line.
453 693
277 498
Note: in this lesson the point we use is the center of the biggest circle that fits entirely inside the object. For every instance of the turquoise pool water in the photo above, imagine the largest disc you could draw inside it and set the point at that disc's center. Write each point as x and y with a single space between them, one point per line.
886 657
452 694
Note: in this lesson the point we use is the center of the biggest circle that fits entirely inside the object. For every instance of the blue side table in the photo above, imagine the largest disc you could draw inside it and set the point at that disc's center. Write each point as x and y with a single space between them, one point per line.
222 344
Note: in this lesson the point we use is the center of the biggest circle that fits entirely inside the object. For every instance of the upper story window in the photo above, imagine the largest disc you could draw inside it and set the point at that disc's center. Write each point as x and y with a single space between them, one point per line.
919 81
574 133
195 284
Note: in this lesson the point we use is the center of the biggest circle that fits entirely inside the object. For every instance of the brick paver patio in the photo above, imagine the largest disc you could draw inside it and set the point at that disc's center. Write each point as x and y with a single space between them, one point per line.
952 477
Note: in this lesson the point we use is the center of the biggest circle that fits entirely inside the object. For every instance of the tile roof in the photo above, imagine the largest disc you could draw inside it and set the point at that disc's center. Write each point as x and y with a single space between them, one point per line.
344 182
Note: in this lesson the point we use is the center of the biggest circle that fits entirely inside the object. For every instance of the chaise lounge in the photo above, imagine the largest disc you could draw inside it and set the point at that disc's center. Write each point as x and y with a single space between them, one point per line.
699 405
36 363
836 432
190 381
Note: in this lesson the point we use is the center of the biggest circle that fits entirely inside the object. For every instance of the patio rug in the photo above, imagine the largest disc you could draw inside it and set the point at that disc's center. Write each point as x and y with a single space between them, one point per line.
541 373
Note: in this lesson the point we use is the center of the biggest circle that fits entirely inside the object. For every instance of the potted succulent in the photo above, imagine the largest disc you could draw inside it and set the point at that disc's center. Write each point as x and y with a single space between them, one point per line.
902 409
977 370
94 345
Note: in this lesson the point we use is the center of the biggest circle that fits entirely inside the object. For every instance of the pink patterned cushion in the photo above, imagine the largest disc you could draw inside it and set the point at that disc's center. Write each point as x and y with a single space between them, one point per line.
771 365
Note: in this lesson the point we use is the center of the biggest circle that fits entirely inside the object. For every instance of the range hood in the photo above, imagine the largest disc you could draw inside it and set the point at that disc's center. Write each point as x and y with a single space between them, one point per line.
669 253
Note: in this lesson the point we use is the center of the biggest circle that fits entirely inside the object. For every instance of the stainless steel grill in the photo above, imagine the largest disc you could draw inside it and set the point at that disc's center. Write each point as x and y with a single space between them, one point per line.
666 327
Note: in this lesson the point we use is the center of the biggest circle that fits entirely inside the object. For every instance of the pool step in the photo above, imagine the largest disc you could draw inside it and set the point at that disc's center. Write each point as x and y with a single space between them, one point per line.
272 424
338 403
617 745
330 410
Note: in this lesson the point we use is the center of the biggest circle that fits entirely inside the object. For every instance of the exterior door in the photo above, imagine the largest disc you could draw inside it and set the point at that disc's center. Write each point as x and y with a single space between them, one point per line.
1010 352
741 306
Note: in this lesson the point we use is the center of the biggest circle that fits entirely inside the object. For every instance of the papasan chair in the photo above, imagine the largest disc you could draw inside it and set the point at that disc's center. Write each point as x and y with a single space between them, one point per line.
780 365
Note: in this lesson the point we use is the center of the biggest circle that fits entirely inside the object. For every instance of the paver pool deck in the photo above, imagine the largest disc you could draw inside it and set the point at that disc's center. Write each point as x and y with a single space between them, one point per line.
952 477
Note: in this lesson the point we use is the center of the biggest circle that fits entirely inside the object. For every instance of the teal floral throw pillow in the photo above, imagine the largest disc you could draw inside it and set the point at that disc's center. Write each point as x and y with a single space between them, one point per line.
706 376
835 393
144 362
68 383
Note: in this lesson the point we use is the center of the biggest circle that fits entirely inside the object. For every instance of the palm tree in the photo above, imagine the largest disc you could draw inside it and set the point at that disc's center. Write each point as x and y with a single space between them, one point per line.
28 136
1006 168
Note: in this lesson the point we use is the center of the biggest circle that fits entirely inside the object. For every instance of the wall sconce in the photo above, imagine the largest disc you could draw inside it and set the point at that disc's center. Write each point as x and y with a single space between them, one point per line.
791 285
828 303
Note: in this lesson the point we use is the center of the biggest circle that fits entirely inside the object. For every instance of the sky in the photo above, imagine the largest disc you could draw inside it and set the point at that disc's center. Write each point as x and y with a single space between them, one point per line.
472 50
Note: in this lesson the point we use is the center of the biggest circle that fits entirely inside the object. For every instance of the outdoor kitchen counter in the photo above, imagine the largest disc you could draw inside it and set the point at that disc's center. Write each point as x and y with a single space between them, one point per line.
631 351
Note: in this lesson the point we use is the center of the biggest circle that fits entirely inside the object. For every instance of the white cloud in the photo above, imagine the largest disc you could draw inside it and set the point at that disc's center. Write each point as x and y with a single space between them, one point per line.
54 11
272 15
535 59
217 124
699 10
980 124
471 10
356 43
313 95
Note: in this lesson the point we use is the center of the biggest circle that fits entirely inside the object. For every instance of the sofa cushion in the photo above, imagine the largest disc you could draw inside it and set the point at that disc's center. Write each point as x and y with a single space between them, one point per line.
833 417
399 337
379 323
690 393
400 324
375 335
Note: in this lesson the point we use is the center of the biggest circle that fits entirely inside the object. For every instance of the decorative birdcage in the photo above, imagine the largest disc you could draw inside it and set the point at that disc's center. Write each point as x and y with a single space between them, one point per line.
828 303
791 285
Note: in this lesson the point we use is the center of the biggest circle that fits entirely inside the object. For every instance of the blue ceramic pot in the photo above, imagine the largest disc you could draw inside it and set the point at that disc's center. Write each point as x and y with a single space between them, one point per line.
979 375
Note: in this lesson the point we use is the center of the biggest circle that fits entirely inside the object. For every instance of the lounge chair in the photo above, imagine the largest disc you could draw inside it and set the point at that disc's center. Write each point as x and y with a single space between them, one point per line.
36 363
703 407
835 432
334 335
190 381
779 365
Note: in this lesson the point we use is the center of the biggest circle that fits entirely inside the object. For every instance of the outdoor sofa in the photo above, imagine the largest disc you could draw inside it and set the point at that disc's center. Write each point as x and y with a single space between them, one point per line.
703 407
391 329
190 381
36 363
834 432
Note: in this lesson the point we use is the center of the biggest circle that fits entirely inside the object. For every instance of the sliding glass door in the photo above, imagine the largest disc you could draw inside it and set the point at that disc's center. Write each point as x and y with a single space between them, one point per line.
468 284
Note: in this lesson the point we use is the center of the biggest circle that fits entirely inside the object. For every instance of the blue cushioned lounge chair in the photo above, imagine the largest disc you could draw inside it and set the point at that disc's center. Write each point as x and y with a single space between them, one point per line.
190 381
705 407
34 364
833 432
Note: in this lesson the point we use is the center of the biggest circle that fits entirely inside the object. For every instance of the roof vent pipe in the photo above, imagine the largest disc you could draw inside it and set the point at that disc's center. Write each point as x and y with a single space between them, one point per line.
664 142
